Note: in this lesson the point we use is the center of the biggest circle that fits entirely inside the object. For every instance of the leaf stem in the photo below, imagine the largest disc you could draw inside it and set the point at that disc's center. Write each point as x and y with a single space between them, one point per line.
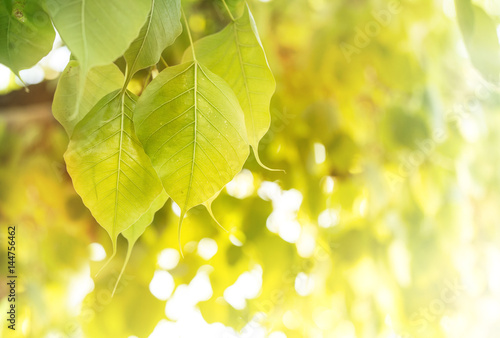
228 11
146 80
163 61
189 34
128 77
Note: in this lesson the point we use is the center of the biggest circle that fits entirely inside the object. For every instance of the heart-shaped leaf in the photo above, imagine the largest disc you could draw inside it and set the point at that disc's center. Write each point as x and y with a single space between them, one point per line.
193 129
236 54
109 168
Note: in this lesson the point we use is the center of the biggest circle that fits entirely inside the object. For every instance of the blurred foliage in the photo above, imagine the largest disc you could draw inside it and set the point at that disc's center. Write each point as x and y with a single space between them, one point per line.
384 225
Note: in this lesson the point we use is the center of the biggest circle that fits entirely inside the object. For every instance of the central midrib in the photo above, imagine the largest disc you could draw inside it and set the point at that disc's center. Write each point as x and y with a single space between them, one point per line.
84 34
143 40
244 78
195 104
122 105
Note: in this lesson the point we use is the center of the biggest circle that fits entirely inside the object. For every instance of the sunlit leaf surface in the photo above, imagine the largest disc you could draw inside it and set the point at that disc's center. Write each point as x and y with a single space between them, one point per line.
385 225
100 81
236 54
160 30
108 166
98 32
193 129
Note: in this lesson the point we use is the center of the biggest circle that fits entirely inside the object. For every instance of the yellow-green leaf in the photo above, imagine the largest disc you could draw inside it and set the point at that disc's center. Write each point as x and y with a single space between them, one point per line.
98 32
136 230
25 37
100 81
109 168
236 54
193 129
161 29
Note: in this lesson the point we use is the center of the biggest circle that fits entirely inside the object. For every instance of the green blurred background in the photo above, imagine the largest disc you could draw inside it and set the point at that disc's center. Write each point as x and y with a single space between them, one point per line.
385 224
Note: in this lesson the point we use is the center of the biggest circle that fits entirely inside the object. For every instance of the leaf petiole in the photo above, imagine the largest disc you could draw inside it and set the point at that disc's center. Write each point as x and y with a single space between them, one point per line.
189 35
228 11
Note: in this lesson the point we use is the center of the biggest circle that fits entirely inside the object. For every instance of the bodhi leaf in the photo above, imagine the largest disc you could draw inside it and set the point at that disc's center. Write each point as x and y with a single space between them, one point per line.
100 81
480 38
108 166
98 32
26 34
136 230
193 129
161 29
236 54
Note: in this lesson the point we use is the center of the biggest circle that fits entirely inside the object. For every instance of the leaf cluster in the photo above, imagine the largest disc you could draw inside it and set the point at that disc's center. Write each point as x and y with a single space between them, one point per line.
188 133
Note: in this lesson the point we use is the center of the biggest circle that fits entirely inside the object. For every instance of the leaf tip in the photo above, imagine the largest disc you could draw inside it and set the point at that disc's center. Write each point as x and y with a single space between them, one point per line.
210 212
129 252
105 264
257 158
113 240
181 218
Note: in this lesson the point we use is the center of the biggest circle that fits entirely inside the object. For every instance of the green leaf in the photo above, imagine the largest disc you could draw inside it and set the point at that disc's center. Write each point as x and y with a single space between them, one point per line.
26 34
97 31
161 29
7 4
100 81
136 230
236 54
193 129
109 168
480 38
